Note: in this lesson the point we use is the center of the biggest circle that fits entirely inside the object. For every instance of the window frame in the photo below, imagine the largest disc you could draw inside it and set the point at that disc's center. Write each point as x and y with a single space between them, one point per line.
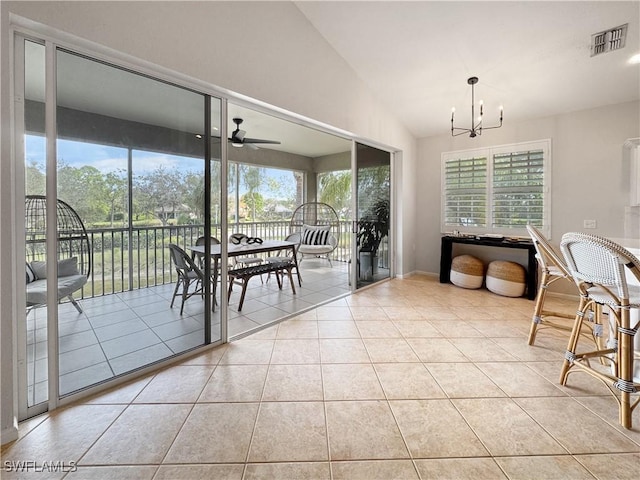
489 153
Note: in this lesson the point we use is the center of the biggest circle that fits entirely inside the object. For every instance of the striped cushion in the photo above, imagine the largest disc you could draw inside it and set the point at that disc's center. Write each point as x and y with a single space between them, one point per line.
315 235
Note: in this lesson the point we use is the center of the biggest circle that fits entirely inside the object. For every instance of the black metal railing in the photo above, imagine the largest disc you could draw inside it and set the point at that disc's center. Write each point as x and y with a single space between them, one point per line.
138 257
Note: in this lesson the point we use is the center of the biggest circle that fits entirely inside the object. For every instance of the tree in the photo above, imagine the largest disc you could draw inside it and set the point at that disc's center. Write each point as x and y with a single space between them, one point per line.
255 201
252 178
373 179
35 179
335 190
279 189
84 189
373 182
194 193
116 193
216 187
159 193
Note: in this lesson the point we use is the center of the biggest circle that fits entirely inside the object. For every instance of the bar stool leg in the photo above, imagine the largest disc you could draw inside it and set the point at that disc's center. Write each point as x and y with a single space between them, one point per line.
569 355
625 366
537 311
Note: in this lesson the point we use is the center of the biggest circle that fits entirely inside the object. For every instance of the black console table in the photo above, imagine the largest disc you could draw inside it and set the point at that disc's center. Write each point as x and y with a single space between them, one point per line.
532 265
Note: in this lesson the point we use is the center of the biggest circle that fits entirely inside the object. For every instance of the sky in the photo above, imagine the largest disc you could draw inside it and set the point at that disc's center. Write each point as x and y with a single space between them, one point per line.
113 159
106 158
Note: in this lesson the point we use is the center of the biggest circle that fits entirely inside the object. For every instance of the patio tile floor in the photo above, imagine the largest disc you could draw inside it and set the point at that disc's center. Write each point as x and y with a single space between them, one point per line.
121 332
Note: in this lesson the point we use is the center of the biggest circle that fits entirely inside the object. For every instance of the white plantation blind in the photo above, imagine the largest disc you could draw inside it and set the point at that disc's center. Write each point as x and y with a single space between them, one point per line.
466 192
518 189
497 189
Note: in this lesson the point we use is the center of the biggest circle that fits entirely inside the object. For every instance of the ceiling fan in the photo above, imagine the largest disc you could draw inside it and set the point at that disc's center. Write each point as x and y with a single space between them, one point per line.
238 138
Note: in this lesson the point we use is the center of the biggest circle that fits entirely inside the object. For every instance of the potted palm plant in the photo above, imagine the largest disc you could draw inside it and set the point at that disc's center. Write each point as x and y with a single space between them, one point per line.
373 226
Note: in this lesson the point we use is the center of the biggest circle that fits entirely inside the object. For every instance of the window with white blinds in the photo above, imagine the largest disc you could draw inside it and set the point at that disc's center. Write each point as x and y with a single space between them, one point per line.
496 190
466 192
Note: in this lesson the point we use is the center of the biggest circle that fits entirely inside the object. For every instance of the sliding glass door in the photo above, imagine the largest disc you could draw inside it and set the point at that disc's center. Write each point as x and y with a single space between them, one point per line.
116 170
279 167
123 175
32 334
373 215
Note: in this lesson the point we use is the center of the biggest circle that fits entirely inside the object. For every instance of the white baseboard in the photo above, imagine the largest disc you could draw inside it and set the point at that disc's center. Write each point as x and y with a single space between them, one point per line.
418 272
9 434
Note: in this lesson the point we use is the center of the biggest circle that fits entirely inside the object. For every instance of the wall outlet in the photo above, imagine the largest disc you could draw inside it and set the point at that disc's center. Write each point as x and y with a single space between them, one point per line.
590 224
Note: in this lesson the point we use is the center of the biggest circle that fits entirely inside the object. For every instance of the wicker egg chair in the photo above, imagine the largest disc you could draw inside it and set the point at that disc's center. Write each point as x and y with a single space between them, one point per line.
72 246
315 226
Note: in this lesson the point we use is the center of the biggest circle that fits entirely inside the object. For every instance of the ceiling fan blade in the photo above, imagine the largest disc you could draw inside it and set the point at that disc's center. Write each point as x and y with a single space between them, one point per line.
259 140
238 138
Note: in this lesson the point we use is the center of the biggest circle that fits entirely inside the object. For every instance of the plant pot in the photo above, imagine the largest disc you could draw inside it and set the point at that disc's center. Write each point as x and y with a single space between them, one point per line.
368 265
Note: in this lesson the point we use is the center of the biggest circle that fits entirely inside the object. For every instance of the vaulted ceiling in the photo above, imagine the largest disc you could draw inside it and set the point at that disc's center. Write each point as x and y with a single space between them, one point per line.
534 58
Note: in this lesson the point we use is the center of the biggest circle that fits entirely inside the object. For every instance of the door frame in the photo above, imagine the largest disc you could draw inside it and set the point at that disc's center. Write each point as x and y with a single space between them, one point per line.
353 271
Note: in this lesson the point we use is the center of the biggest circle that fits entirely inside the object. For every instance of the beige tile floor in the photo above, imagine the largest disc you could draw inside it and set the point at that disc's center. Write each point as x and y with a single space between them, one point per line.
410 379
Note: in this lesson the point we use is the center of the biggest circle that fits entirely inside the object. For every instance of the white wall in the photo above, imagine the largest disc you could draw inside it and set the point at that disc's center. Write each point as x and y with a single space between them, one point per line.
590 178
265 50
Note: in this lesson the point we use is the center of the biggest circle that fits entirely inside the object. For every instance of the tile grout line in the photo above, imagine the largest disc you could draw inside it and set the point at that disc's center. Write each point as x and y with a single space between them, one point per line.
255 422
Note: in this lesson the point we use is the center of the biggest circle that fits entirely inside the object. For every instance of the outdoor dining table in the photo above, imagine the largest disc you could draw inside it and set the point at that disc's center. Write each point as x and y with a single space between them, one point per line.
236 250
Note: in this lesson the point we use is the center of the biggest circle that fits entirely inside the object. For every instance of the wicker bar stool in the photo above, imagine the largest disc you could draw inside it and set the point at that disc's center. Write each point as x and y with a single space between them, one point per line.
554 269
599 268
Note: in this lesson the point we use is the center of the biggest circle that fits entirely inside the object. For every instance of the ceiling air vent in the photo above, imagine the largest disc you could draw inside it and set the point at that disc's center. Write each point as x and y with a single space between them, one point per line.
609 40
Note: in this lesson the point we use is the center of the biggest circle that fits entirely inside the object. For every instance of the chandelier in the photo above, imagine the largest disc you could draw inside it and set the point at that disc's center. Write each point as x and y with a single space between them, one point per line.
476 123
